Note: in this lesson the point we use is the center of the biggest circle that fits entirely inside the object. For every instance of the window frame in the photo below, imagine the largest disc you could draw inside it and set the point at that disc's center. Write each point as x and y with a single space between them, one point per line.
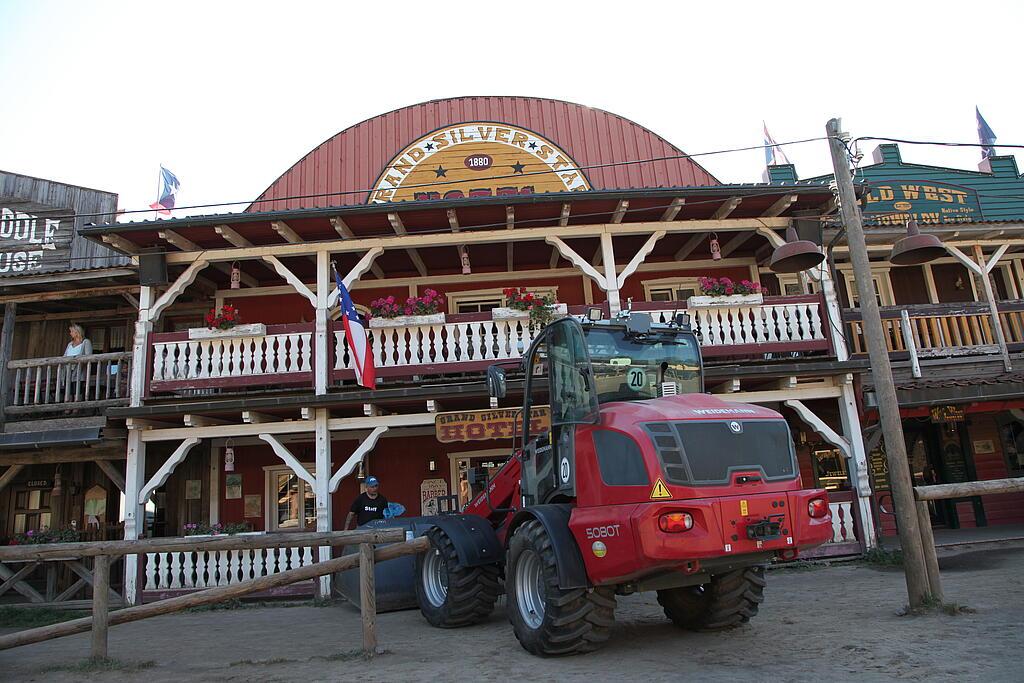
493 294
673 284
270 473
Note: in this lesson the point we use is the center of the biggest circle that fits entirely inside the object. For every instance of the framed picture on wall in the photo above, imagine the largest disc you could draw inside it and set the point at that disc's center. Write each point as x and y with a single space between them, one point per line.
254 505
233 486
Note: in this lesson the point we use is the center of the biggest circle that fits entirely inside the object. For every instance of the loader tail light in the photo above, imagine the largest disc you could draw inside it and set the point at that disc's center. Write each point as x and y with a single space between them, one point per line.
674 522
817 508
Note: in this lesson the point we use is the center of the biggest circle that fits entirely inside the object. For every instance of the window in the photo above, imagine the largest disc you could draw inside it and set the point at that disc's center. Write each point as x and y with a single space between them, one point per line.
483 300
1011 433
883 291
31 510
291 503
679 289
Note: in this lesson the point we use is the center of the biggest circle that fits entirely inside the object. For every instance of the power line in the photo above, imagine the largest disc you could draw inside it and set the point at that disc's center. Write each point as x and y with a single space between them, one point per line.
934 142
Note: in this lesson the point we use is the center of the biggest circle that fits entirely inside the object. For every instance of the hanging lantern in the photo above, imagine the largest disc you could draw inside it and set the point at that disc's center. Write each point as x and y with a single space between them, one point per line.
57 490
229 457
236 276
916 248
716 248
464 253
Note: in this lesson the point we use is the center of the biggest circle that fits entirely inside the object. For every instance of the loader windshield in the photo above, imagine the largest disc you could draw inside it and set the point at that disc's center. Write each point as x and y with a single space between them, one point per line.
641 367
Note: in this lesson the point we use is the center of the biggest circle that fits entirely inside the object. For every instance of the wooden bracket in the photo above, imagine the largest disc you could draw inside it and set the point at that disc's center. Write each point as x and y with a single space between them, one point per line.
289 459
357 457
157 480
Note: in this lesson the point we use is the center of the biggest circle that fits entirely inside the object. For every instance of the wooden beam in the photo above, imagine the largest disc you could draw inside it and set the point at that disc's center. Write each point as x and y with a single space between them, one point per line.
434 406
510 217
342 228
289 459
143 423
9 475
620 211
819 426
563 220
203 421
175 459
688 247
372 410
122 244
179 241
130 298
229 234
254 417
673 209
285 231
396 223
86 292
399 227
453 220
780 206
50 457
414 256
729 386
176 289
735 242
781 384
555 256
112 472
727 208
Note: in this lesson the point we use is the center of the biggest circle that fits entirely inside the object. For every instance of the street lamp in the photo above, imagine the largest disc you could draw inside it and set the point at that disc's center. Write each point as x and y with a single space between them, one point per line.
915 248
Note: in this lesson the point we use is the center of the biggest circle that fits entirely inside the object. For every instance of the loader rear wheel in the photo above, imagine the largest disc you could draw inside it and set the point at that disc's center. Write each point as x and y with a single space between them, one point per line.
546 619
450 595
728 600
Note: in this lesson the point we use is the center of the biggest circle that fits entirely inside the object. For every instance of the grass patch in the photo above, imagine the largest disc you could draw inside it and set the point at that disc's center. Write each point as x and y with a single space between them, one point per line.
233 603
100 665
351 655
801 566
932 605
31 617
264 662
880 557
347 656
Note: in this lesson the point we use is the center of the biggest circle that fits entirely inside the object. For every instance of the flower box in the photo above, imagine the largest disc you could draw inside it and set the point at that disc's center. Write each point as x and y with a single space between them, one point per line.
408 320
722 301
246 330
505 313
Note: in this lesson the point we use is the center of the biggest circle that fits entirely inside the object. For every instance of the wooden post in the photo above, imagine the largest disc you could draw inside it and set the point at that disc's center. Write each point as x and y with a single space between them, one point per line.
6 341
134 513
368 599
610 276
924 521
322 493
100 599
990 298
909 343
881 371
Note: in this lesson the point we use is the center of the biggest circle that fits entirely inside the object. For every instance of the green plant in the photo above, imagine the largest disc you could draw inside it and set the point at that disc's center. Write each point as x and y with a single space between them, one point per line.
30 617
45 536
538 305
884 558
713 286
204 529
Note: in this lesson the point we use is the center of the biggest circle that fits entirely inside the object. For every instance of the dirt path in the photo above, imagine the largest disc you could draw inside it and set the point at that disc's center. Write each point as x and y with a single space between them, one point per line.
835 623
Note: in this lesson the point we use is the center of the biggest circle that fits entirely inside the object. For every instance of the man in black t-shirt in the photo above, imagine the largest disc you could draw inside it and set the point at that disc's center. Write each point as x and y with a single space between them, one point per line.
367 506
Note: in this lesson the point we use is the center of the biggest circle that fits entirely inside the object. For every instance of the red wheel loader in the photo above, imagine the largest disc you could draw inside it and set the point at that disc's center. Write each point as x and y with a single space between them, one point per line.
641 482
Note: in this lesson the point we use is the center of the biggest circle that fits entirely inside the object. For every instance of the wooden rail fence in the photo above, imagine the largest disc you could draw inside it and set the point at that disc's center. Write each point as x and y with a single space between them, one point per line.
103 551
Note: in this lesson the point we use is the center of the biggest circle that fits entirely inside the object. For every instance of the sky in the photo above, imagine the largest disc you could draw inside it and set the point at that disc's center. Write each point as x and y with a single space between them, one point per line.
228 95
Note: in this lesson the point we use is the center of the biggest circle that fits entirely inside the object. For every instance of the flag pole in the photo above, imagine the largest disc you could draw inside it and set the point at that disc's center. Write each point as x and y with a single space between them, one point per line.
159 178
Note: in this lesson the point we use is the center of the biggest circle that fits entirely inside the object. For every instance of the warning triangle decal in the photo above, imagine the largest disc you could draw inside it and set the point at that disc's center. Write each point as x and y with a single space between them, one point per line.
660 491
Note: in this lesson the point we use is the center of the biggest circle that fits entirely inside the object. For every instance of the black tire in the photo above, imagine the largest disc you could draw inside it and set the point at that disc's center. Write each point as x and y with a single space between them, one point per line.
727 601
468 594
574 621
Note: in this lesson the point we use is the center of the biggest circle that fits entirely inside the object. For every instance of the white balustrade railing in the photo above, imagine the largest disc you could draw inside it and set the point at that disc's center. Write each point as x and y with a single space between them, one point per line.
209 568
201 359
443 343
843 529
769 323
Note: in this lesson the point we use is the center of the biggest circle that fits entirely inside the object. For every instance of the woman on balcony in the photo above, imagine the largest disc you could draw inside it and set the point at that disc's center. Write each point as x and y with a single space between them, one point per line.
78 346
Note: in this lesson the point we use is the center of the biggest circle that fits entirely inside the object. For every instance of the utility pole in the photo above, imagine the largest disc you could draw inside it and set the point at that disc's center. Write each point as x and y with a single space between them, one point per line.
881 371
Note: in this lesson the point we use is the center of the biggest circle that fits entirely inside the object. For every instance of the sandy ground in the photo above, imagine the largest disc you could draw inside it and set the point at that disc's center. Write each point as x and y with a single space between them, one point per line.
833 623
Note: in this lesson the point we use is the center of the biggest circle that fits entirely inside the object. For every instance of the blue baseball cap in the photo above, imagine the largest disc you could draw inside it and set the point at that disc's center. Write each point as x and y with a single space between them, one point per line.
372 481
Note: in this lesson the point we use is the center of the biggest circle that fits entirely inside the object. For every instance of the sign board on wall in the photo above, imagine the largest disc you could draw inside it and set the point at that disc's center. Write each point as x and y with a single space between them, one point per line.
34 238
430 491
477 159
484 425
947 414
896 202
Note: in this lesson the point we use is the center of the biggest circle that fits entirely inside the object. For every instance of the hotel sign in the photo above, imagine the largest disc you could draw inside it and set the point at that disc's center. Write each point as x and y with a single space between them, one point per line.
477 159
30 242
896 202
484 425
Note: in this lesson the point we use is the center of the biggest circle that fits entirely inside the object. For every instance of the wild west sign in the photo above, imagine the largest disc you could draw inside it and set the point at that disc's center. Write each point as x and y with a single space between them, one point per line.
484 425
34 239
478 159
896 202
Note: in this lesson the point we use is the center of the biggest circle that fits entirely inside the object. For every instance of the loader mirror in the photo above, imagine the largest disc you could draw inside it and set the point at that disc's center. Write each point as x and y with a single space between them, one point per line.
496 385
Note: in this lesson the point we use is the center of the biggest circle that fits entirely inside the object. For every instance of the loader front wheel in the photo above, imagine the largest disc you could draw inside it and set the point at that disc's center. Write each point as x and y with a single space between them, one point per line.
546 619
450 595
728 600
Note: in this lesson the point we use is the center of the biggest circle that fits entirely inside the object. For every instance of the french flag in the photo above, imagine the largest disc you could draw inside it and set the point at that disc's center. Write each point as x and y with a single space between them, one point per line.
355 335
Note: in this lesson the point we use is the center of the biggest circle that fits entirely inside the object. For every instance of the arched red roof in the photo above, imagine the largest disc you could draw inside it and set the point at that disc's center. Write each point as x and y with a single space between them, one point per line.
351 162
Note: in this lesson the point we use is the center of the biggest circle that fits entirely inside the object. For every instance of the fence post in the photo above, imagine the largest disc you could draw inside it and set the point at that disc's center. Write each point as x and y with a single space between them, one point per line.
368 598
909 343
100 599
931 560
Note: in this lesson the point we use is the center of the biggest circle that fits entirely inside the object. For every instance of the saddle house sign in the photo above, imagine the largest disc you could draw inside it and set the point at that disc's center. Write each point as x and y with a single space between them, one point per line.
479 159
30 242
484 425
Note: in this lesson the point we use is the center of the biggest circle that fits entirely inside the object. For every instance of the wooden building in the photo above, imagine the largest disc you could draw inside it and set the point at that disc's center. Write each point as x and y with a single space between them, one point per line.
61 461
955 326
264 426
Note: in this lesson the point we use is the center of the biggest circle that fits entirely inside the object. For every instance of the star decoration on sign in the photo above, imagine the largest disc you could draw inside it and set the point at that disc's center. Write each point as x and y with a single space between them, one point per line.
429 146
518 167
533 145
441 172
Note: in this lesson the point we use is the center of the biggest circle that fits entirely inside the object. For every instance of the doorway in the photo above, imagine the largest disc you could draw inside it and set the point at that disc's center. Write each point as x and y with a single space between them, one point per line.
491 460
939 454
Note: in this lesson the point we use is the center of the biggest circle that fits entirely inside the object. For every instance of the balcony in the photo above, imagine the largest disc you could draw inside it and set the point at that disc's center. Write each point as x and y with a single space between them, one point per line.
284 355
941 330
53 385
